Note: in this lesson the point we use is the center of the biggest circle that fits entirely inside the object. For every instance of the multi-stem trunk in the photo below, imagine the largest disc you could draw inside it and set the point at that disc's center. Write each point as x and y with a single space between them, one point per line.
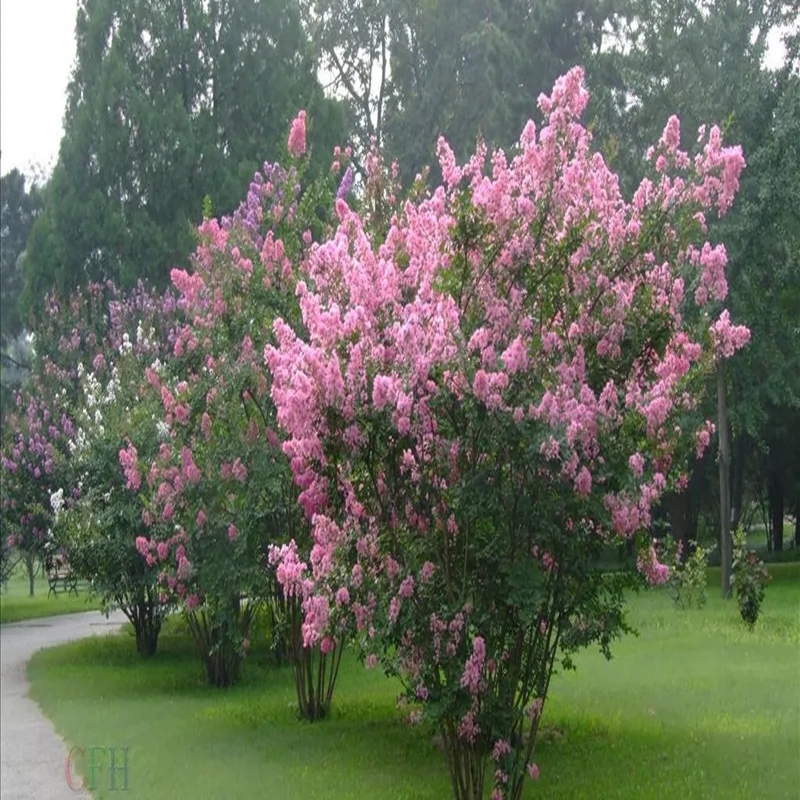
315 671
216 640
143 613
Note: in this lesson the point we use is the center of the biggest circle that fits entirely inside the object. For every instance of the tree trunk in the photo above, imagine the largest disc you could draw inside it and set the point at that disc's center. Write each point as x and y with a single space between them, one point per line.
30 565
776 508
147 639
726 548
737 497
677 508
797 525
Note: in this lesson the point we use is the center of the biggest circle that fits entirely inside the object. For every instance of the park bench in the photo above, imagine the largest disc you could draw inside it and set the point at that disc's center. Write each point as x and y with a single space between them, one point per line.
60 576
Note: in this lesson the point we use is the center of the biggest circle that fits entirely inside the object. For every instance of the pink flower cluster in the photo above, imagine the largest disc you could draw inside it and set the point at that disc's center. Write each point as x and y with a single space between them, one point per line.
297 136
653 570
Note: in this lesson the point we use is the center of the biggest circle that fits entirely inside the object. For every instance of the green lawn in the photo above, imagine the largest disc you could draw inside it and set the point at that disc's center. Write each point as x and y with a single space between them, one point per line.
16 603
695 707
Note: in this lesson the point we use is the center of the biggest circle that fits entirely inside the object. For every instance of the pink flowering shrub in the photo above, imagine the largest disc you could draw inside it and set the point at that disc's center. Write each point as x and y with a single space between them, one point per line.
220 489
478 400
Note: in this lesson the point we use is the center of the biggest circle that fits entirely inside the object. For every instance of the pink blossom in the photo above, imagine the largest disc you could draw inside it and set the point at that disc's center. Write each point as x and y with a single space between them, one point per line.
501 748
342 596
297 135
636 462
406 589
583 483
468 730
727 338
472 678
426 573
128 458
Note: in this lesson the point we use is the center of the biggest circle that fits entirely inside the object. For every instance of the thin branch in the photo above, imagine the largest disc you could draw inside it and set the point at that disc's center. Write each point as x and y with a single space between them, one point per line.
13 362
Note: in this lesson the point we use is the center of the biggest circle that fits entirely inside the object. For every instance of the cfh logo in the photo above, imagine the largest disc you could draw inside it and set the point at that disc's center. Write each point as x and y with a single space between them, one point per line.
105 767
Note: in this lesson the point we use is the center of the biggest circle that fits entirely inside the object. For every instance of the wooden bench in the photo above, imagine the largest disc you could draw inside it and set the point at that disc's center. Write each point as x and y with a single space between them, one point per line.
60 576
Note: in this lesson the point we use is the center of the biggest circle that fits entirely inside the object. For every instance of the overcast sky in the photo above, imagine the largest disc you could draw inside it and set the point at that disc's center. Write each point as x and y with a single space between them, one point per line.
37 48
36 52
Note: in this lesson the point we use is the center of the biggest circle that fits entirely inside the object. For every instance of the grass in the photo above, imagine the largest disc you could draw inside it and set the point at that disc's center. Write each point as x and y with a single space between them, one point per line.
16 604
694 707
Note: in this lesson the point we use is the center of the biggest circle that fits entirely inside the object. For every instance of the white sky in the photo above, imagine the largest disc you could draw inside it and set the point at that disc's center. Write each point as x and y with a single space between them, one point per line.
37 49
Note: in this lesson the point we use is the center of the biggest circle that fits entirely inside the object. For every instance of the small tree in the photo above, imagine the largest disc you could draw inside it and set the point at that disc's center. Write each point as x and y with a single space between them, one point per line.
480 400
749 579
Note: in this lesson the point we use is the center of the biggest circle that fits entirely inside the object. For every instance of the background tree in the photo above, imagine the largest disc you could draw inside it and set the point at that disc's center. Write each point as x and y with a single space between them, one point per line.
353 43
411 70
19 206
475 68
170 101
705 60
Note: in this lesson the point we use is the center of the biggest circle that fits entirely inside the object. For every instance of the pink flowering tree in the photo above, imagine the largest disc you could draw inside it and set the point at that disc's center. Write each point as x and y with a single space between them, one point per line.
478 402
220 488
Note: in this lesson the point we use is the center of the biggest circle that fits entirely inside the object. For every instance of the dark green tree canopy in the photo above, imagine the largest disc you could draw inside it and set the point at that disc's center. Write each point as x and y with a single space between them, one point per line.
19 207
170 101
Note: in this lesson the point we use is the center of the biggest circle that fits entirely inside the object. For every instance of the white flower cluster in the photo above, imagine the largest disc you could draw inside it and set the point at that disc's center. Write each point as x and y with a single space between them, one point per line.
96 396
127 345
147 341
162 430
92 390
112 387
78 444
57 503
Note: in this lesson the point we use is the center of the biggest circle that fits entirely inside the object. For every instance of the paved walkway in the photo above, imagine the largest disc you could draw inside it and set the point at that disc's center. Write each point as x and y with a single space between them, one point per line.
32 756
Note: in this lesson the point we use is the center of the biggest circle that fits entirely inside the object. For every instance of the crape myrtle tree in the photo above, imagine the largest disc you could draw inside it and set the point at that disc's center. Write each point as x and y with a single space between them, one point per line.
220 489
113 420
479 401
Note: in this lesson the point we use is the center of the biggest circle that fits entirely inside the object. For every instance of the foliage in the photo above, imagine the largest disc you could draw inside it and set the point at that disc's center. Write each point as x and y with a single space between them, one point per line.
687 582
480 400
19 207
750 578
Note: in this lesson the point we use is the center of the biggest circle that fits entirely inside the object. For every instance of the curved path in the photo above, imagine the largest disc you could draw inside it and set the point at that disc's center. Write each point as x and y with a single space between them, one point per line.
32 756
